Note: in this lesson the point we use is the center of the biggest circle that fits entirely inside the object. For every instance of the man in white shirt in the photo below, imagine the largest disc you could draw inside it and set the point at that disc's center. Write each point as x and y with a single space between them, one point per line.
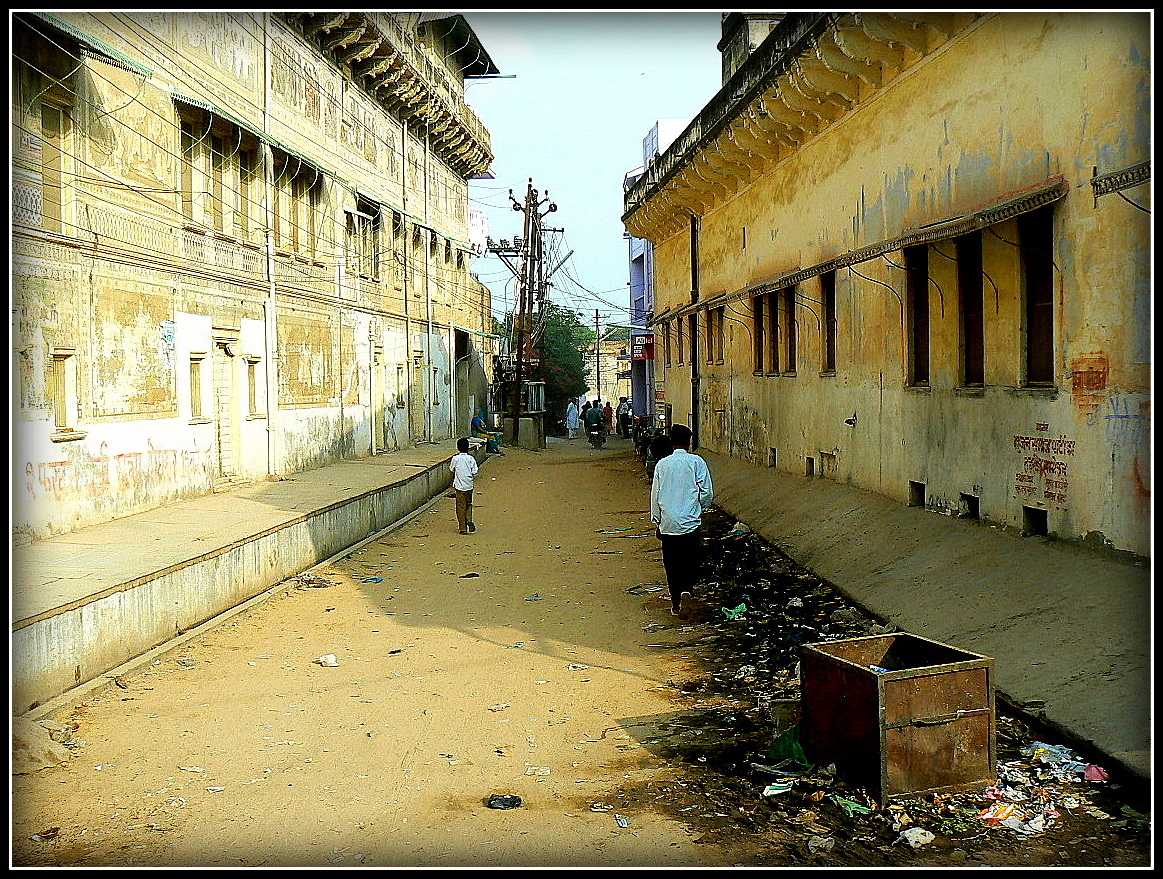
680 493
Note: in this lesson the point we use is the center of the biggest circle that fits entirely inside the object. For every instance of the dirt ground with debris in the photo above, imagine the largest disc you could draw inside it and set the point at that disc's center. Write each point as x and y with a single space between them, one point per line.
368 714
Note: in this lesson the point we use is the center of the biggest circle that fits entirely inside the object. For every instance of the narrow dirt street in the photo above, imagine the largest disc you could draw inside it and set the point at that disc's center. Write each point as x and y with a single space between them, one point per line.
370 712
511 661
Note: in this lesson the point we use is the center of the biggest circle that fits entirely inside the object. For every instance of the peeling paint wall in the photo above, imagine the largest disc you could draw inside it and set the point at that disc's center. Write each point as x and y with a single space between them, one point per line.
161 351
1008 104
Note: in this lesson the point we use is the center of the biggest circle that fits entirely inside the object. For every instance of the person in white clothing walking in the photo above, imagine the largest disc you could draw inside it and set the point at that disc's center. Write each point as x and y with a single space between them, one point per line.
571 419
464 471
680 493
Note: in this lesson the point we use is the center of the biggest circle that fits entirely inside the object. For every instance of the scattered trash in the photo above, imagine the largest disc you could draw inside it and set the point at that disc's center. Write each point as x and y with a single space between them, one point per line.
534 597
518 644
327 660
373 579
916 837
469 575
1095 773
500 706
777 787
601 807
191 768
850 807
503 801
186 662
819 844
735 612
622 820
573 666
45 835
215 790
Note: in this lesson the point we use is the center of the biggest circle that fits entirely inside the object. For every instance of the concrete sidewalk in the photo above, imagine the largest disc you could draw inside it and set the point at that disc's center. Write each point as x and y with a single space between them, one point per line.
1065 626
88 601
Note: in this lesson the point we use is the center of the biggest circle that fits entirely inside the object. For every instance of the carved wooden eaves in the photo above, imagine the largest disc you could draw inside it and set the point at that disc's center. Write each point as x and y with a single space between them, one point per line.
858 54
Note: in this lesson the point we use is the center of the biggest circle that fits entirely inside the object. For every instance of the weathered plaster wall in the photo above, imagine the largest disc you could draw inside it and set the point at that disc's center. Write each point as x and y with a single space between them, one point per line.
1018 99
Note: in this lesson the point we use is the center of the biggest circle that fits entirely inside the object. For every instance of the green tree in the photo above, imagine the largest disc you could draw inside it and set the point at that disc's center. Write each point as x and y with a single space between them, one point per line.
563 339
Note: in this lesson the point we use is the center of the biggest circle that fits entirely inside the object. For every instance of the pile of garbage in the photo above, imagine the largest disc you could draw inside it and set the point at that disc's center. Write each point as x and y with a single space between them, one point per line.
764 607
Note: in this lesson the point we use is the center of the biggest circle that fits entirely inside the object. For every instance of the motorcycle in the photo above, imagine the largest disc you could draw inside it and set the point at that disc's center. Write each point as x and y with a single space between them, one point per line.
596 434
644 436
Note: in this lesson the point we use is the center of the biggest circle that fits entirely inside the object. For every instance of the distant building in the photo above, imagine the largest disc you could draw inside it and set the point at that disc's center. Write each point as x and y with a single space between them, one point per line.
911 252
241 248
607 365
644 393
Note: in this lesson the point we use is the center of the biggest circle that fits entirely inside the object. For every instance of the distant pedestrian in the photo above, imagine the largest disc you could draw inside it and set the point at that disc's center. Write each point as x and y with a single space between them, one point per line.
481 430
572 422
623 413
464 471
608 416
680 493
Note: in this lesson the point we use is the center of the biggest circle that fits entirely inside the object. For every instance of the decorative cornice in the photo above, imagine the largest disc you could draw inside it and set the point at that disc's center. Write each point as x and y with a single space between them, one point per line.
1104 184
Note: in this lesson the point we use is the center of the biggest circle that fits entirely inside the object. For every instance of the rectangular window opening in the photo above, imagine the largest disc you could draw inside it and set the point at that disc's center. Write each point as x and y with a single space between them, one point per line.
772 335
196 391
757 334
1036 237
789 328
773 458
917 313
970 506
1035 522
916 494
828 290
971 306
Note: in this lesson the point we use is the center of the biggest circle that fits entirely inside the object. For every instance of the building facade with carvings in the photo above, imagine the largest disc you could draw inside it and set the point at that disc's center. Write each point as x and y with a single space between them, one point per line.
240 249
911 252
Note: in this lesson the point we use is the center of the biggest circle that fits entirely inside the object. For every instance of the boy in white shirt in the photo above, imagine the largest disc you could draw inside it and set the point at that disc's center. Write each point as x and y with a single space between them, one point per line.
464 469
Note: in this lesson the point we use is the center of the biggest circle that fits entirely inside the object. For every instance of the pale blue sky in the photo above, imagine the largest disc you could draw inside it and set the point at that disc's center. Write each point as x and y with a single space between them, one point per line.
588 88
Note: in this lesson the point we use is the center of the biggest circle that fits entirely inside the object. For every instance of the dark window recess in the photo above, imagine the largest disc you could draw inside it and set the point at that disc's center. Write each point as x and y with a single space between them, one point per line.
828 288
1036 235
694 258
917 312
809 466
970 506
1034 521
772 313
757 333
789 331
972 308
916 494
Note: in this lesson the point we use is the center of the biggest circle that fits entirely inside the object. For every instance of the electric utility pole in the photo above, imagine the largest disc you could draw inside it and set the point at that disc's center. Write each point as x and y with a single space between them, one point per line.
531 279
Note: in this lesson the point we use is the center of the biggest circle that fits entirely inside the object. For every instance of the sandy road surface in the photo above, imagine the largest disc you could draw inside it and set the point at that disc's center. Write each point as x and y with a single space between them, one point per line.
510 661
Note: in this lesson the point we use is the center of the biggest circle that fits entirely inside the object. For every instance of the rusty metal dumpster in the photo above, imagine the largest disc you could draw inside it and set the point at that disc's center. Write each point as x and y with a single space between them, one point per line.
899 714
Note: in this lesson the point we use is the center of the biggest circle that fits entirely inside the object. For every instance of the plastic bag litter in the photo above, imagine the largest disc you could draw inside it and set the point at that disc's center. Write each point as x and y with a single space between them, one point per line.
733 613
327 660
503 801
916 837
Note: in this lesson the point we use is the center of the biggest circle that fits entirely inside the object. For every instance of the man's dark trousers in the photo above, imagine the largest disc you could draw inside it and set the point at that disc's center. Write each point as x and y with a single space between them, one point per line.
682 556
